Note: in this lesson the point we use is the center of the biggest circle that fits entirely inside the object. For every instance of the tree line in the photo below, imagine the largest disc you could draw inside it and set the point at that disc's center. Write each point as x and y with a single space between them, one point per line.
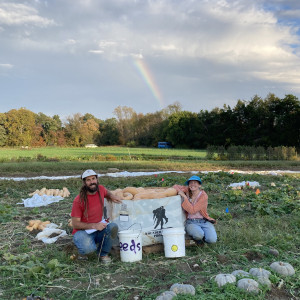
267 122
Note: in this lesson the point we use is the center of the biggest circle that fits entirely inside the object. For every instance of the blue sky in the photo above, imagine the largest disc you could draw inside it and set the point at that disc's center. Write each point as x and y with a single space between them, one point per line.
90 56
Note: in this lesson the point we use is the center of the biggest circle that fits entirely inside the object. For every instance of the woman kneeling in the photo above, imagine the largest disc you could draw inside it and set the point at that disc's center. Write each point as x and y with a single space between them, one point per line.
199 225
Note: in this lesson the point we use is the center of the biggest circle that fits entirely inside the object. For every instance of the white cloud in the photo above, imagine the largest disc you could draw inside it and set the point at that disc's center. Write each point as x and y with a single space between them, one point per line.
163 47
291 79
6 66
213 30
137 55
21 14
295 13
190 46
70 42
96 51
105 44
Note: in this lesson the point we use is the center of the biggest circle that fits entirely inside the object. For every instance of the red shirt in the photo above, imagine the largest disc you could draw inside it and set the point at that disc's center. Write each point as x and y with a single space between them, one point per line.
95 208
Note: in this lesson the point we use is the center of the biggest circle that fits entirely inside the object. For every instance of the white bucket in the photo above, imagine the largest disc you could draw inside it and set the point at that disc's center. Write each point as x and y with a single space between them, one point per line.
130 245
174 242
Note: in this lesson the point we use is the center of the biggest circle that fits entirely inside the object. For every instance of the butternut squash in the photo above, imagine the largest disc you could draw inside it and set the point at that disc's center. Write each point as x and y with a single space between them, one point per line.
66 192
42 191
37 224
127 196
35 192
117 191
145 195
171 192
52 192
130 189
140 189
133 193
150 195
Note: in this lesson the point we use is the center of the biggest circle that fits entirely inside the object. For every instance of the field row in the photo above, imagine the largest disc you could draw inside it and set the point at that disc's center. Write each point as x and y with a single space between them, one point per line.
69 153
249 225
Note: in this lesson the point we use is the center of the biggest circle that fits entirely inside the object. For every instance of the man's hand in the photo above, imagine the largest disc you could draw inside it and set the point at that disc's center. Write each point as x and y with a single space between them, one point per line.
113 198
100 226
77 224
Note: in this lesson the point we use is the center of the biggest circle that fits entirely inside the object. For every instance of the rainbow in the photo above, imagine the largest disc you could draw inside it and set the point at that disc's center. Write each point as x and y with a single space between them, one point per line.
144 70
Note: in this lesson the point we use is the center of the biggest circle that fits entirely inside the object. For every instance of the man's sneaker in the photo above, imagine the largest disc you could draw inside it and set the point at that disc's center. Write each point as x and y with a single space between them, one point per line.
114 232
105 260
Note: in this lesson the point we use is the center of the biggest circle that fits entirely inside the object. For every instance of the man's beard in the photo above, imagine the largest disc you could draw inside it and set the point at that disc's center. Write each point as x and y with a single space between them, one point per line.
92 188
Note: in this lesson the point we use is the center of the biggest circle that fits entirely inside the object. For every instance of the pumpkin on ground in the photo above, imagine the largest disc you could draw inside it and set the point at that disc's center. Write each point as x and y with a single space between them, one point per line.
264 281
240 273
248 285
282 268
168 295
180 288
260 272
222 279
274 252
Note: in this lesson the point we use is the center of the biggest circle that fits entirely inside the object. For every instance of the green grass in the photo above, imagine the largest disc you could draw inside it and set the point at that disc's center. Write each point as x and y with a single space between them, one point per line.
74 153
254 224
70 161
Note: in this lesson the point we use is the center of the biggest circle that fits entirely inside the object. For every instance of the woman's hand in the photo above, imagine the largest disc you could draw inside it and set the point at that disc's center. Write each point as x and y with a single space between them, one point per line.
183 196
181 193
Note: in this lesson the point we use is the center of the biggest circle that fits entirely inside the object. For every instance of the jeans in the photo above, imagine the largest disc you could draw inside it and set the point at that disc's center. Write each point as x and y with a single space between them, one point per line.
201 230
96 241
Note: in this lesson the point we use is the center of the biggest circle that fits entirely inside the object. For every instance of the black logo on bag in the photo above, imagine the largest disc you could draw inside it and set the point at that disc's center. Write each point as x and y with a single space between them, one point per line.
159 217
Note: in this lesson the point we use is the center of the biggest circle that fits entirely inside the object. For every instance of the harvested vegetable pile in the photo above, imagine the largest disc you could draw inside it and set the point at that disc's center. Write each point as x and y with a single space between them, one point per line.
133 193
37 224
52 192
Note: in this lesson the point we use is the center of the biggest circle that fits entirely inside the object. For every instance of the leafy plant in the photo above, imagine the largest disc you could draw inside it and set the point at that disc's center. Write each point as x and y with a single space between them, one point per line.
7 213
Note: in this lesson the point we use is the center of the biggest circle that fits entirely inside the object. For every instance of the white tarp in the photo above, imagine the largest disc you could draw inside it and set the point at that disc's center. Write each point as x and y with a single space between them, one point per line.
50 229
251 184
150 216
136 174
37 200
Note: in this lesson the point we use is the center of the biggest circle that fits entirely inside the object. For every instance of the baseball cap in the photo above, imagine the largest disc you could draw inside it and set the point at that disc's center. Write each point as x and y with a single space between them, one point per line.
88 173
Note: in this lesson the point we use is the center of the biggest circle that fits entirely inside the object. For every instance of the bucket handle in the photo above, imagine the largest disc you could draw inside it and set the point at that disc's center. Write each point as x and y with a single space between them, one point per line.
136 224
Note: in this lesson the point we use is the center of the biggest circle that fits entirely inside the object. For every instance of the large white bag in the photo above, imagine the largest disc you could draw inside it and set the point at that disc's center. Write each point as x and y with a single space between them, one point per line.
148 215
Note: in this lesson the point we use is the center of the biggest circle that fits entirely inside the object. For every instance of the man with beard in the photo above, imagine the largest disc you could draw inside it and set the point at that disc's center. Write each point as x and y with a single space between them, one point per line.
87 213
